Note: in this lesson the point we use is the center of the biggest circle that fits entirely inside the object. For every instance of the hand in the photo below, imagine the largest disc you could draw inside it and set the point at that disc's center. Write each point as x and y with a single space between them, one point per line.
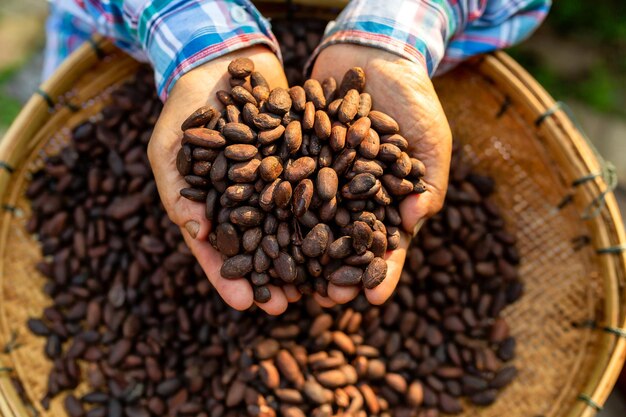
403 90
193 90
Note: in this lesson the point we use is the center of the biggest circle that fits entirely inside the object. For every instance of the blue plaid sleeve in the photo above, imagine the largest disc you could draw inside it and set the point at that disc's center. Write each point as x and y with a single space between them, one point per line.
175 36
436 33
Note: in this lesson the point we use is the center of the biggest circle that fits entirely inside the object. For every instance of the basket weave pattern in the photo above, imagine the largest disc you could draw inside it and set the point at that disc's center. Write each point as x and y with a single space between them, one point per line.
533 165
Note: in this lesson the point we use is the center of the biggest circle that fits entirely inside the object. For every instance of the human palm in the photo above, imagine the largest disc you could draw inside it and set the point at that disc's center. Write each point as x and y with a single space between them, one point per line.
403 90
193 90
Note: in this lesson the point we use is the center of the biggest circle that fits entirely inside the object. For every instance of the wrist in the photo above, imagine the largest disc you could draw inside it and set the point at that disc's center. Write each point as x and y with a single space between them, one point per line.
192 34
414 29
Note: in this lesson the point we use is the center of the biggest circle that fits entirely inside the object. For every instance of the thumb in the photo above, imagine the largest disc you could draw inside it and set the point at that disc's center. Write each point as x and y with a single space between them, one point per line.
183 212
414 210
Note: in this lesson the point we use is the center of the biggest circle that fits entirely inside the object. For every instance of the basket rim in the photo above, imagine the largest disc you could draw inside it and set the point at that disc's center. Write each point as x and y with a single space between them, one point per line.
609 230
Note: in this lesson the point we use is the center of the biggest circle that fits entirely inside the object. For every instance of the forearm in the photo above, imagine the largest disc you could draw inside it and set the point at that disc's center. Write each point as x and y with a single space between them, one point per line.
175 36
436 32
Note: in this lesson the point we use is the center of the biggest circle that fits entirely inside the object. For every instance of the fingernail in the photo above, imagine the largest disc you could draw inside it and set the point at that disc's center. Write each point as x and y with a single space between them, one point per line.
193 227
418 226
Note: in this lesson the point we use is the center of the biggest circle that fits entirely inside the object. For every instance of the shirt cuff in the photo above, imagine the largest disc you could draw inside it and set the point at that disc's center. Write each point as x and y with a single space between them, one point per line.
192 33
415 29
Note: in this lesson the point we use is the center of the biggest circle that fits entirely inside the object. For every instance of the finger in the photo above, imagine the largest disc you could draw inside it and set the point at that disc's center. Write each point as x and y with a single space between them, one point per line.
183 212
237 293
414 210
395 262
324 301
342 295
277 304
292 293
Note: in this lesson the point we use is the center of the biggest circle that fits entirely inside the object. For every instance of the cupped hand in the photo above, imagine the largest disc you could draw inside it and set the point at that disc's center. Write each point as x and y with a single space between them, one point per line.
192 91
403 90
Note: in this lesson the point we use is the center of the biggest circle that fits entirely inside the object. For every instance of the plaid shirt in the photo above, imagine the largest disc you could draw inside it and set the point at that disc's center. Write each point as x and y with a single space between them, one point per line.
175 36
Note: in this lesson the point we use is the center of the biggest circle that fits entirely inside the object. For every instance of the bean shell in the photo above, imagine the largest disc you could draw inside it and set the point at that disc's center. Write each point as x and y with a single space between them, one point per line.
397 186
315 93
370 146
236 267
321 124
375 273
285 267
244 171
279 101
316 241
246 216
257 79
365 105
293 137
383 123
302 195
354 78
327 183
300 169
242 96
240 152
203 137
298 98
227 239
346 276
198 118
308 117
266 121
358 132
270 168
349 106
238 133
267 137
183 160
240 67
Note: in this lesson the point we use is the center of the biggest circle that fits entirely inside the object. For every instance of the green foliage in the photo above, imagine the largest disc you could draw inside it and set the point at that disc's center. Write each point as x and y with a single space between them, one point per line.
605 20
9 106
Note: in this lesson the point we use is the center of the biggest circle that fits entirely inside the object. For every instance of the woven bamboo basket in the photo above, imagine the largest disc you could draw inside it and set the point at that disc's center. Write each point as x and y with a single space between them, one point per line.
569 322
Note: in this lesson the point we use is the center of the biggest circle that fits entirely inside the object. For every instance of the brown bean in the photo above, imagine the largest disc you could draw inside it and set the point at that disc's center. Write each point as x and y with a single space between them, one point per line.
302 195
354 78
327 183
236 267
227 239
279 101
346 276
357 132
238 133
246 216
268 137
300 169
198 118
293 137
383 123
314 93
242 96
240 152
244 171
206 138
298 98
321 124
240 67
316 241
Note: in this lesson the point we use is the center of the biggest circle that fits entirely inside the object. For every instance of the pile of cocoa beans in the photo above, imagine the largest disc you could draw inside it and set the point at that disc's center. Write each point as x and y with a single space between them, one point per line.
133 317
303 184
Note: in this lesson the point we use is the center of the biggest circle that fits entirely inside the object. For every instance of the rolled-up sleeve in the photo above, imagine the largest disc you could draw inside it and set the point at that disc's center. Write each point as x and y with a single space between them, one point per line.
435 33
175 36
